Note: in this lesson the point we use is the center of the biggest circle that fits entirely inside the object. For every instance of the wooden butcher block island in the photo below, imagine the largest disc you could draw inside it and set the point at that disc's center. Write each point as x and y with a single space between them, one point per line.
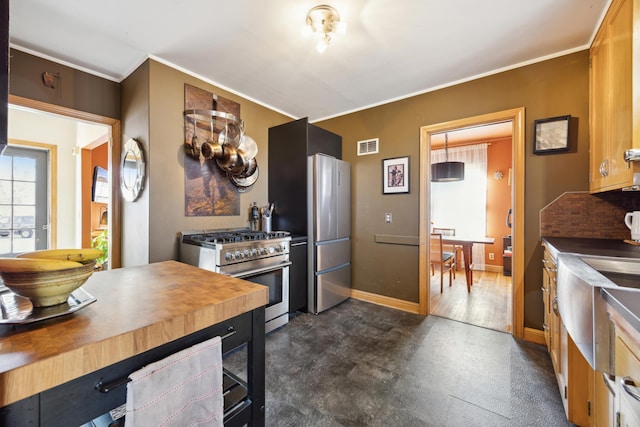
68 370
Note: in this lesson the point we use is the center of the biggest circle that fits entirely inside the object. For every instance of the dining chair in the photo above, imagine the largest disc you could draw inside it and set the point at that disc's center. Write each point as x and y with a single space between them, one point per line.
456 249
446 261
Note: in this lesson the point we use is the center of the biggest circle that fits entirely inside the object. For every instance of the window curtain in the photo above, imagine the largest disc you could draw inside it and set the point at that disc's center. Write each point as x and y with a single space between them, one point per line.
463 204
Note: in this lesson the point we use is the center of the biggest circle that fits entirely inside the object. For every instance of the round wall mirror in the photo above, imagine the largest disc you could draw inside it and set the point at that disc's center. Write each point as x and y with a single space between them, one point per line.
132 170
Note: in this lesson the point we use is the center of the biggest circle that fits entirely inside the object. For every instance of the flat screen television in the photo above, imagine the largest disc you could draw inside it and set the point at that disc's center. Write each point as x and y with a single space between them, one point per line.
100 187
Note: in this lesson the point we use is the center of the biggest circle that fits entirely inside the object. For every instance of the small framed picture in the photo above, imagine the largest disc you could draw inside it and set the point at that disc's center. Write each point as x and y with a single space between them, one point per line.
395 175
551 135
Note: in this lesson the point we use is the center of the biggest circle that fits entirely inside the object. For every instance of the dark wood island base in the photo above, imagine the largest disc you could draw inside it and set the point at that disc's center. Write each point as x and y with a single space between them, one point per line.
233 309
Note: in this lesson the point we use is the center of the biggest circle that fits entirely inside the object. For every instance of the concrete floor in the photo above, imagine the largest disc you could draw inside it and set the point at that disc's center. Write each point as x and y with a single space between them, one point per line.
359 364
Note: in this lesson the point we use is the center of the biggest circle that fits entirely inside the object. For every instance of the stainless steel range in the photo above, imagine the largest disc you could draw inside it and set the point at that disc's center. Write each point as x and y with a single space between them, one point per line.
256 256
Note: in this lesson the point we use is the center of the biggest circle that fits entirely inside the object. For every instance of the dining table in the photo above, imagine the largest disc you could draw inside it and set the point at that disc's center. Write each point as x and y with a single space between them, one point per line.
467 244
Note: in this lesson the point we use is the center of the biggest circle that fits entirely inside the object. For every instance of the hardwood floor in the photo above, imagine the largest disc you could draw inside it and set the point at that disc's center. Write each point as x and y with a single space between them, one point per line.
488 305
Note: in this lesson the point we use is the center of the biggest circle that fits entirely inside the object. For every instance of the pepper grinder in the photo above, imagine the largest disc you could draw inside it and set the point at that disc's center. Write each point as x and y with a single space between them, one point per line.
255 217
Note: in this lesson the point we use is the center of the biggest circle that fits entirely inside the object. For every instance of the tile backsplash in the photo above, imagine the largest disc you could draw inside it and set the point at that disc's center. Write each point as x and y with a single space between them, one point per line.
581 214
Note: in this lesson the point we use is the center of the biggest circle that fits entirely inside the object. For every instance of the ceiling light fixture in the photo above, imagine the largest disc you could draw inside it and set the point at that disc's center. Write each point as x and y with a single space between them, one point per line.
324 22
447 171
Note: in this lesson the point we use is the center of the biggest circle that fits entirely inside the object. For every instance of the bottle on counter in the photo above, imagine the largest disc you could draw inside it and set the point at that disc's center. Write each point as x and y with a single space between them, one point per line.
255 217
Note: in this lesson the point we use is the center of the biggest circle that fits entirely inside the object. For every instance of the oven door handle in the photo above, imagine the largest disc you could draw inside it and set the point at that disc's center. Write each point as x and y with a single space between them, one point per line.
261 270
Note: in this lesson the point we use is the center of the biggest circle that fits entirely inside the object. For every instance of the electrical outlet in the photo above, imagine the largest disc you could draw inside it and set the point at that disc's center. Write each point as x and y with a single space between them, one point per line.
388 217
492 256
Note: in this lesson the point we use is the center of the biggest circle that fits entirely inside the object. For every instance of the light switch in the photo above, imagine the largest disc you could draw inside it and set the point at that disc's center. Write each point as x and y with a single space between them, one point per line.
387 217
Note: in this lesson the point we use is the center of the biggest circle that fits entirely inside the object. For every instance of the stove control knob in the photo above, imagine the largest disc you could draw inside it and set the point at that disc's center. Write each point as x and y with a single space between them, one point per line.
278 248
238 255
247 253
271 249
263 251
228 256
254 252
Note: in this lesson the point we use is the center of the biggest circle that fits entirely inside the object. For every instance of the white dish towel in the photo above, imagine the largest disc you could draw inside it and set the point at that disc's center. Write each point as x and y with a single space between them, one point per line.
184 389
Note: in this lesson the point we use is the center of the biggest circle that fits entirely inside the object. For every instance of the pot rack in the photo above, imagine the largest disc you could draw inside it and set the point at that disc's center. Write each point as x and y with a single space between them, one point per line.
225 145
212 119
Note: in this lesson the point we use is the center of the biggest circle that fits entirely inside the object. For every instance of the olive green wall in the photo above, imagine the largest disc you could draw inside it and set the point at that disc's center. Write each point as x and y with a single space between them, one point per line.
135 221
152 107
74 89
551 88
164 89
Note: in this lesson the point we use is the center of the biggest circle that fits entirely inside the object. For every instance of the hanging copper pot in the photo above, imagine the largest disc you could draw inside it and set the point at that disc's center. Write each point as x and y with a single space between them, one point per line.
210 150
228 158
238 167
192 149
250 167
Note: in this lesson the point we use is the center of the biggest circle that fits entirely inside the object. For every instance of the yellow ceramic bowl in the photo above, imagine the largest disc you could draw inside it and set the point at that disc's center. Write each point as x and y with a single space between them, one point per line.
47 288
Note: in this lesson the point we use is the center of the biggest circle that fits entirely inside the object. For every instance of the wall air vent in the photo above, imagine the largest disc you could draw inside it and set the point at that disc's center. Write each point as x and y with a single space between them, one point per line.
368 146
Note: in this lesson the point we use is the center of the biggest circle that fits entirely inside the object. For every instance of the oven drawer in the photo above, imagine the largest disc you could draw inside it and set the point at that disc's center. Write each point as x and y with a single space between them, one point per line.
80 400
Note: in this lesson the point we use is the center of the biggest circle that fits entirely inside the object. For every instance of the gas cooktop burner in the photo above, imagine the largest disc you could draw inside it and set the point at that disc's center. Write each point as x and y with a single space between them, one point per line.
232 236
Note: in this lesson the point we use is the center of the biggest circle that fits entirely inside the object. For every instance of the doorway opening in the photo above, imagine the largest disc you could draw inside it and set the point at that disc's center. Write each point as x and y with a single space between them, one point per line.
428 138
75 218
475 208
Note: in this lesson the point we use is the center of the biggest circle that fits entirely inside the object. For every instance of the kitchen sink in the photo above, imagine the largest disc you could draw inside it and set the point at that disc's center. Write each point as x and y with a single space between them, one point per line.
582 308
623 272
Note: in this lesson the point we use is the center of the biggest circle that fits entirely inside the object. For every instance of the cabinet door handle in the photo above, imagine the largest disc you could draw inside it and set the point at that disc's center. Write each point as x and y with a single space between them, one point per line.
545 327
629 386
607 378
549 266
230 331
554 306
604 168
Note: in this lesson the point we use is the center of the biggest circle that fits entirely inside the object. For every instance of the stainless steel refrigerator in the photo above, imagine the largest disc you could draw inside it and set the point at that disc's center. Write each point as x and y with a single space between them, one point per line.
329 231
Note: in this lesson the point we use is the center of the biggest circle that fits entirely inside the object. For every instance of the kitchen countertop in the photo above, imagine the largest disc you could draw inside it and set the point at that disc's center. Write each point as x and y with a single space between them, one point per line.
587 246
137 309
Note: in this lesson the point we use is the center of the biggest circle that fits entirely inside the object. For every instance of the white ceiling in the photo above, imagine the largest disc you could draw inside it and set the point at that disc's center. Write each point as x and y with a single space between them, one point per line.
392 49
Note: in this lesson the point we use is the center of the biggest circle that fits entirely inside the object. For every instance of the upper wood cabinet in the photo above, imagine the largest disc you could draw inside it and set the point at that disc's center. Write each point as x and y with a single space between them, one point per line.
613 103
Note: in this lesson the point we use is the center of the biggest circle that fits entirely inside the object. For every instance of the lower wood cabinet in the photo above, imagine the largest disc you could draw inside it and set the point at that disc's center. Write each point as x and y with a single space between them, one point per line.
628 374
551 315
593 398
577 377
573 373
604 405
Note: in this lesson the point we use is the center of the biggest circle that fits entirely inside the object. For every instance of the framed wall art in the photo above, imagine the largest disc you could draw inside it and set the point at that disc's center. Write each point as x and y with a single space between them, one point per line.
395 175
551 135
